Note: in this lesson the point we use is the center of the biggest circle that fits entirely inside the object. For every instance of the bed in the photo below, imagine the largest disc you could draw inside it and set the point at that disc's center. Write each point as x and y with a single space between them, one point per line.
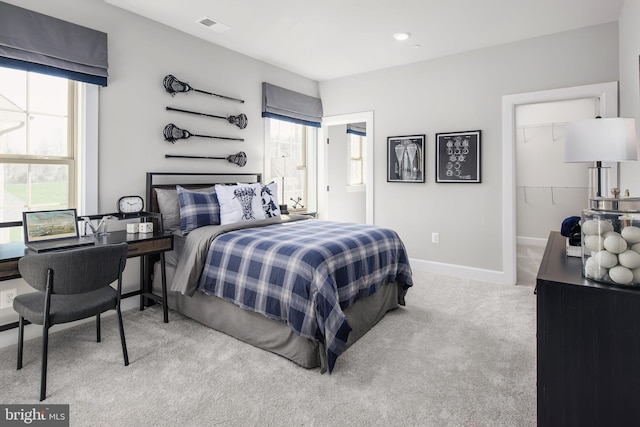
298 287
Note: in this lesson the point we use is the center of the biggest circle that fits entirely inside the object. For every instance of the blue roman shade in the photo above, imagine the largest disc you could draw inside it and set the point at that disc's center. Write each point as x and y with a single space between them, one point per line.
32 41
284 104
357 128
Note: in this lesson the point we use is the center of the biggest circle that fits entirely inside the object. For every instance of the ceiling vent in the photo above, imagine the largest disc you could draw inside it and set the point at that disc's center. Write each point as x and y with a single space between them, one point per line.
216 26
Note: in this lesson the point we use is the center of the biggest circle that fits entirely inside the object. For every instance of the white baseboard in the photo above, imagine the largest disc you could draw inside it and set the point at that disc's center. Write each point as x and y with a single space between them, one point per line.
458 271
10 337
531 241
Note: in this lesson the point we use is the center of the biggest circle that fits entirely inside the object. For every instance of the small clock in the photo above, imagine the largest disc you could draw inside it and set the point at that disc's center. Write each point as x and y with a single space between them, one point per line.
130 204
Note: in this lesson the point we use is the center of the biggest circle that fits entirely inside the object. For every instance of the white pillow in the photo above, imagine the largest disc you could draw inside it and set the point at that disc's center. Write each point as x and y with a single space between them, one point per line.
241 202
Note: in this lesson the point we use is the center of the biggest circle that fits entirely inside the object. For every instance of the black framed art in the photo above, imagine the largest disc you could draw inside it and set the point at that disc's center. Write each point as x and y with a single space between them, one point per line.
405 158
458 157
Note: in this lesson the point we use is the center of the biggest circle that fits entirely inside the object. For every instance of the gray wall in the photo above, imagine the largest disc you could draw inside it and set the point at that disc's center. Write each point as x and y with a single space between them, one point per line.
458 93
629 86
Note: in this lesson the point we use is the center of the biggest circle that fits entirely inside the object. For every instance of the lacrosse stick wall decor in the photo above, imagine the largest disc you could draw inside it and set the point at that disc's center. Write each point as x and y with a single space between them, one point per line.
173 86
172 133
239 120
239 159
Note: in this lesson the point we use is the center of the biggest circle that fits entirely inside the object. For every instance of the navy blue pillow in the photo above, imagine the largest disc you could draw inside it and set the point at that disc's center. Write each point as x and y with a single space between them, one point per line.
197 209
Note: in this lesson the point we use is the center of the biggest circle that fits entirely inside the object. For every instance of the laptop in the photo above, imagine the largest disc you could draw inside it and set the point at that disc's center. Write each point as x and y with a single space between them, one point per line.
52 230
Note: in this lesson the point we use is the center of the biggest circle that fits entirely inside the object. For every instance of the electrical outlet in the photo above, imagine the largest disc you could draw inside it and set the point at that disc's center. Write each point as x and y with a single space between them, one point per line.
435 237
6 298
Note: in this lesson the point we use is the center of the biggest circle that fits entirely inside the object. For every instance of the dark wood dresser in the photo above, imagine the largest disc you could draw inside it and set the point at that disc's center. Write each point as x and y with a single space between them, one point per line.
588 346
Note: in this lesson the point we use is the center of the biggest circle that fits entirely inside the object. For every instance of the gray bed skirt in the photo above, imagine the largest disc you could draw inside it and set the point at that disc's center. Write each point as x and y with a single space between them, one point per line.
271 335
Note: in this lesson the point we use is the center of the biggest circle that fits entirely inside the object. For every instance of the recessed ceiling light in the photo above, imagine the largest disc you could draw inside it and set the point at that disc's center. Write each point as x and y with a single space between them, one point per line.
401 36
416 46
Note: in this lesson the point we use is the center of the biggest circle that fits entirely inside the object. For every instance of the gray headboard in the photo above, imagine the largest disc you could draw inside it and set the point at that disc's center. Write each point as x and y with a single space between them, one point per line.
169 180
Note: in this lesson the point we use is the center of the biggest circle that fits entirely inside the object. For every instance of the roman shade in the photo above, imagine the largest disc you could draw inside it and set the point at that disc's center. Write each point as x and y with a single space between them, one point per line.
357 128
31 41
284 104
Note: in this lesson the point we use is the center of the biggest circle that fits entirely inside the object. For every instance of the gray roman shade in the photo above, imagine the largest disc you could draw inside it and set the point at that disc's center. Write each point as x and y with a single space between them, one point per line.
284 104
32 41
357 128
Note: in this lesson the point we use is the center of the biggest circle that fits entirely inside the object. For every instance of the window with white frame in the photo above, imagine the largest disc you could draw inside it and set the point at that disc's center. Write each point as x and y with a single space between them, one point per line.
294 142
38 145
356 162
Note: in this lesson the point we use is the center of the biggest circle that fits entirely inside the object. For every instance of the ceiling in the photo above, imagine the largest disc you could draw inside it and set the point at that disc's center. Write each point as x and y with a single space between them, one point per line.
327 39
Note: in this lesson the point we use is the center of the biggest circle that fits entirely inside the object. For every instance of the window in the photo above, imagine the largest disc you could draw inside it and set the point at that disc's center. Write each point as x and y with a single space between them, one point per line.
38 150
356 163
295 142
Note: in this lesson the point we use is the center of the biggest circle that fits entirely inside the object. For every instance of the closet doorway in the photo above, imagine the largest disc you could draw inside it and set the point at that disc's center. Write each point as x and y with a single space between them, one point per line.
605 96
547 189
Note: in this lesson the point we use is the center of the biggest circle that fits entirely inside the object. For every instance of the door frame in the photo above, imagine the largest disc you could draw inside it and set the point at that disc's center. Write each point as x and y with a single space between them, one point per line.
608 94
323 168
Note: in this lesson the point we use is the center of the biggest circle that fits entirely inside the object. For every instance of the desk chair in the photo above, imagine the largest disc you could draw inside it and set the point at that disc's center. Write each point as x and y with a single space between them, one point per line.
72 285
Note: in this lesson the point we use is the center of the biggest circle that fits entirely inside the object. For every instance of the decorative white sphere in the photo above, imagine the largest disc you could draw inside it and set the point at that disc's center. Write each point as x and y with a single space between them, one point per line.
615 244
631 234
606 259
593 271
611 233
621 275
594 226
629 259
594 242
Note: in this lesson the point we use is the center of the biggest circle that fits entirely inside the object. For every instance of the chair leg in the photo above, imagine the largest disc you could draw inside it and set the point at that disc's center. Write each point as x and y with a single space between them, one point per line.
122 339
98 337
45 350
20 340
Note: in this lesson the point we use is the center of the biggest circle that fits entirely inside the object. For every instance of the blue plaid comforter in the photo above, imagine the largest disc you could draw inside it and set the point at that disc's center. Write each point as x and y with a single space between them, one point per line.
305 273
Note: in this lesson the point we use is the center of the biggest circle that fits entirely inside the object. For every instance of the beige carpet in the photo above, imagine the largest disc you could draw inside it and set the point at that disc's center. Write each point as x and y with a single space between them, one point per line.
461 353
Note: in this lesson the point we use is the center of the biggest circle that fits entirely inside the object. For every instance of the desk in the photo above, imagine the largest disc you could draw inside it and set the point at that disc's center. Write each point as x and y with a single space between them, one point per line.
140 245
588 345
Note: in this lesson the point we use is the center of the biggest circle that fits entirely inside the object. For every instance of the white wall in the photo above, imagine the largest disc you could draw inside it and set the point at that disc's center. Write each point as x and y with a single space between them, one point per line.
458 93
629 85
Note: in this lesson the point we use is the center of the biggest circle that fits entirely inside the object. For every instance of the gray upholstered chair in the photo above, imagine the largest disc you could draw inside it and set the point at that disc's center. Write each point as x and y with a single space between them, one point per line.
72 285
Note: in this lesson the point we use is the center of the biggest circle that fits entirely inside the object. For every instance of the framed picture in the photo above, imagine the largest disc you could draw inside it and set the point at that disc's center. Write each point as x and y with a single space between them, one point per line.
458 156
405 158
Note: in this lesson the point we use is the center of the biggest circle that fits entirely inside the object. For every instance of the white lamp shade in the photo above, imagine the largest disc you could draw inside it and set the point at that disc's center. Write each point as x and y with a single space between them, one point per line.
605 140
282 166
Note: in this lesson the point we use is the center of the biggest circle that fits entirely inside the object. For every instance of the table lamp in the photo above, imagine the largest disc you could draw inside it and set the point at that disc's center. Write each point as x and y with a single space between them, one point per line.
282 167
600 140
